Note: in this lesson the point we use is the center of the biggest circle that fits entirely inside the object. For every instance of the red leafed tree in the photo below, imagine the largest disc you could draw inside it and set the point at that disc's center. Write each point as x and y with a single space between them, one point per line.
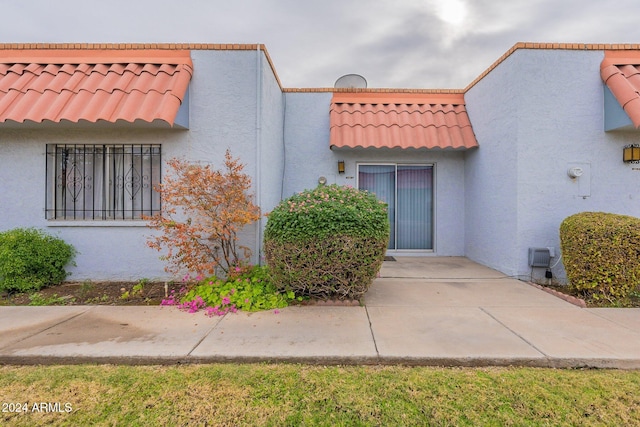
202 212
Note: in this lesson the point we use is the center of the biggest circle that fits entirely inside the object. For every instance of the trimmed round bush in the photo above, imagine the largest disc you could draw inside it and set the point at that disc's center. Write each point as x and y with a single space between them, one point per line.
31 259
601 254
327 243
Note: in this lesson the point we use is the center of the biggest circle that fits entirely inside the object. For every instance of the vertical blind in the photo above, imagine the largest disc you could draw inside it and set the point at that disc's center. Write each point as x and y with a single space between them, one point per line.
408 191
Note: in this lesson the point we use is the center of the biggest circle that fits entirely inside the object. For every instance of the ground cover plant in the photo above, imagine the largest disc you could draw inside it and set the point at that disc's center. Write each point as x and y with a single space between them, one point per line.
327 243
601 255
292 395
249 289
31 259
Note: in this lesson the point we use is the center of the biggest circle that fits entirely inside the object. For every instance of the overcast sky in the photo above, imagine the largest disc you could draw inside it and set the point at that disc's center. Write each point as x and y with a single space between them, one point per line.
431 44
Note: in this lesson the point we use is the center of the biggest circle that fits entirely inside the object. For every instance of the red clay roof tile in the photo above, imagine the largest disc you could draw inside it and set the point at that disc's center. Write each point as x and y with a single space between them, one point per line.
620 71
93 85
400 120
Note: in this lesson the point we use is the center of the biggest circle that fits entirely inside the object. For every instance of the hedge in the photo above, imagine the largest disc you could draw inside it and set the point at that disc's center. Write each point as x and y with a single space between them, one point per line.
31 259
601 254
327 243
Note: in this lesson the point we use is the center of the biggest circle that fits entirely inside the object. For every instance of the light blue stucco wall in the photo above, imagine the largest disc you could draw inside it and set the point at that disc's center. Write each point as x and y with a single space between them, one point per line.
228 92
106 249
535 115
270 146
490 176
309 157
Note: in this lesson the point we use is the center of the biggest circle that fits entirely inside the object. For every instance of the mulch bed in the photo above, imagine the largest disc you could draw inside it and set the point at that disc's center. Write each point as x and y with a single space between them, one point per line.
97 293
119 293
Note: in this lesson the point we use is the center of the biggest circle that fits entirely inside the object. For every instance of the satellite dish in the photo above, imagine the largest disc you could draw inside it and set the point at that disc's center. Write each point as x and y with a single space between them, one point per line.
351 81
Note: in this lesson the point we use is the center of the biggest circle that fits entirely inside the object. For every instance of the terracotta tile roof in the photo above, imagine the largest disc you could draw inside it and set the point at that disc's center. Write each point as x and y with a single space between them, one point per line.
620 70
92 85
400 120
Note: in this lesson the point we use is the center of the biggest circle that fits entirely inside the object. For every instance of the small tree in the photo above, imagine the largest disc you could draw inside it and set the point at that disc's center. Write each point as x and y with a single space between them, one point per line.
202 212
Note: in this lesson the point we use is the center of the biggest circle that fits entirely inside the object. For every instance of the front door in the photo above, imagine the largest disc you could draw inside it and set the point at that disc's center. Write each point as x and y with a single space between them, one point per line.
408 192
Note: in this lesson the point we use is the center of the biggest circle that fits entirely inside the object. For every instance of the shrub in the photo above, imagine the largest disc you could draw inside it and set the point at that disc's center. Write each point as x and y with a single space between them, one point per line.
601 253
202 212
327 243
31 260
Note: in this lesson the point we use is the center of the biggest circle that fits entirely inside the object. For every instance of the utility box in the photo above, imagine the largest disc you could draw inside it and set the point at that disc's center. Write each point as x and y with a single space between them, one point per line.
539 257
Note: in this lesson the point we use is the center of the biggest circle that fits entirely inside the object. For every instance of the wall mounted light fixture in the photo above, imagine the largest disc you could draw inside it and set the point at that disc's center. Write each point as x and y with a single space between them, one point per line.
631 153
340 166
575 172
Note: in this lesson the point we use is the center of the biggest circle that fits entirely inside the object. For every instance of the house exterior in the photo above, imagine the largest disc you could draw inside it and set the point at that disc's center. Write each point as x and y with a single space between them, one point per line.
485 172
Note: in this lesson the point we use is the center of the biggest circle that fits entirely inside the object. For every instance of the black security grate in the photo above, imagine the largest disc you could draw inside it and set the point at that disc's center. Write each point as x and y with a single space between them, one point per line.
88 182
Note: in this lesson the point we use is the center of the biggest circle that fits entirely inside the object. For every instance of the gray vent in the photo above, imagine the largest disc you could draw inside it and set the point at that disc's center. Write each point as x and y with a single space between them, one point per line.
539 257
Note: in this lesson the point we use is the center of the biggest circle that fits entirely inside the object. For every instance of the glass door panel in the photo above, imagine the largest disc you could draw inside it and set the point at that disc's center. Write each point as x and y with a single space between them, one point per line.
408 192
414 210
381 180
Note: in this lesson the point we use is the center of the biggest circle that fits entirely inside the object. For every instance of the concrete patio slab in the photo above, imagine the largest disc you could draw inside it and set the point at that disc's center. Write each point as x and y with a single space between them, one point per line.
116 333
570 335
626 317
437 268
420 319
18 323
457 335
385 292
297 334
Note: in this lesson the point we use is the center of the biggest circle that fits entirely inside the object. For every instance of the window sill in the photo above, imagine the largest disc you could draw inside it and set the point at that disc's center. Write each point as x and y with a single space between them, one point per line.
98 223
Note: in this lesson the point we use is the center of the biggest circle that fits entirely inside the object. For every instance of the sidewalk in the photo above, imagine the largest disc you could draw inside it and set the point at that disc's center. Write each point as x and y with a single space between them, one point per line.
422 311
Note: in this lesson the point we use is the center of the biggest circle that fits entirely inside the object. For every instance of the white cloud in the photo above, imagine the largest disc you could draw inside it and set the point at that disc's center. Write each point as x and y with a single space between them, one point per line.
409 43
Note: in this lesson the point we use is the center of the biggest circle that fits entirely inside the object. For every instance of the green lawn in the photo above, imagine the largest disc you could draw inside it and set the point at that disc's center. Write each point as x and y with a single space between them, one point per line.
277 395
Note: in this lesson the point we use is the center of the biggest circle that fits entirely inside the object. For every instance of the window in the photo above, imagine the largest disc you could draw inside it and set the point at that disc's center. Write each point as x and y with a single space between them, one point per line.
98 182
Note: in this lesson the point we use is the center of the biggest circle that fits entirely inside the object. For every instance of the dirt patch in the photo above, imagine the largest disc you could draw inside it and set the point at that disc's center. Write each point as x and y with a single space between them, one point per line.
96 293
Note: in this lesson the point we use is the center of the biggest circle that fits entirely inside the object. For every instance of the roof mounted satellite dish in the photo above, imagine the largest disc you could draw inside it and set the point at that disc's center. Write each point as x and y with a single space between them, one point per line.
351 81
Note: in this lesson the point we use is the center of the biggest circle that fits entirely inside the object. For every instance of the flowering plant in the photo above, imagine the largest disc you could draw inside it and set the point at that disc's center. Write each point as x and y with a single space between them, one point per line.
249 289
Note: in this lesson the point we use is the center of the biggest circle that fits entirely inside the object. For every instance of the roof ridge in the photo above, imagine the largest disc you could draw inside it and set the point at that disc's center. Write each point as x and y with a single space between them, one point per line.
239 46
131 47
128 46
552 46
405 125
377 90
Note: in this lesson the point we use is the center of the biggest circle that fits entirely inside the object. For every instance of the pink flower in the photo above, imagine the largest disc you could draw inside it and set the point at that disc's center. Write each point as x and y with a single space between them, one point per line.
276 311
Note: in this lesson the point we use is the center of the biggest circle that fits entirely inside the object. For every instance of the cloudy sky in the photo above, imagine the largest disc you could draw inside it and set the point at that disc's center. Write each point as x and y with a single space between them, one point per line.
431 44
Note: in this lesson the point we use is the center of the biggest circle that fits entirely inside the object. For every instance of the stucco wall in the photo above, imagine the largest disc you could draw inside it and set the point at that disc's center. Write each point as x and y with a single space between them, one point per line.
554 114
107 249
535 115
490 171
223 110
308 157
270 146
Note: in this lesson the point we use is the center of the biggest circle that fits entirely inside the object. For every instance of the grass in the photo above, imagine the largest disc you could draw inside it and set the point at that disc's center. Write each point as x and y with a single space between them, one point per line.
281 395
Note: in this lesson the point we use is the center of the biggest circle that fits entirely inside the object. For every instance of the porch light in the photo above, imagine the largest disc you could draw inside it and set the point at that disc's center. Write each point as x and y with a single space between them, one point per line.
631 153
340 166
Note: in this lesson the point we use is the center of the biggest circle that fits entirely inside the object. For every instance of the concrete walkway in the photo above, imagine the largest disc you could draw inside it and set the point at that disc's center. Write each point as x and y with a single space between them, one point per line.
421 311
